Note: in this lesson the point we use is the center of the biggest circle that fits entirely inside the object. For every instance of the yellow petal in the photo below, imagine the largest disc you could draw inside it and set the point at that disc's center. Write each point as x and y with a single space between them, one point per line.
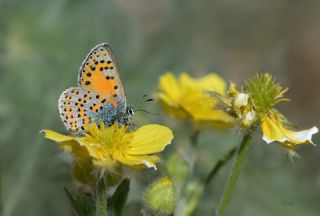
137 161
174 111
94 149
187 98
274 130
149 139
170 89
109 146
170 96
74 148
210 82
67 143
201 105
233 90
52 135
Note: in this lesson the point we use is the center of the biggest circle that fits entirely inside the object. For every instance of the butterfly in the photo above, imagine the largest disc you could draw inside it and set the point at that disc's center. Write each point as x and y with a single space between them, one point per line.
99 96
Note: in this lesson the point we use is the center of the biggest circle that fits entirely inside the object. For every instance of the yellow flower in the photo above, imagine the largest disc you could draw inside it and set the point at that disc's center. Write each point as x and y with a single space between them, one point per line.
256 103
114 145
274 130
187 99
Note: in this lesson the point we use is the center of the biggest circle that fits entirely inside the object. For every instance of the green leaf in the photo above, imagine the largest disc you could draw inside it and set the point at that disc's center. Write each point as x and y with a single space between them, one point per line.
119 198
86 201
76 209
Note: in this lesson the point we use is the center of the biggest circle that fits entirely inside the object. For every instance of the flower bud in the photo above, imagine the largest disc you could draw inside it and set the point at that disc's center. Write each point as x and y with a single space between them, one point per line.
159 197
177 169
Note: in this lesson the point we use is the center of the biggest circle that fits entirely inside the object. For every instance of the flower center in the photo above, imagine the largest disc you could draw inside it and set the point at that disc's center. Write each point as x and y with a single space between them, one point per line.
264 92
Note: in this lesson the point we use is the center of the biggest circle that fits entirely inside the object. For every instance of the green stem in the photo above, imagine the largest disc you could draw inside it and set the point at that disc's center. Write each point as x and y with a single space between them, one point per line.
101 197
194 138
234 175
220 163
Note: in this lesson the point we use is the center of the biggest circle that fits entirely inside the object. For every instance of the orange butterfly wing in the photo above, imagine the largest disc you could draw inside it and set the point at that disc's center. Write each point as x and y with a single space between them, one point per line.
99 73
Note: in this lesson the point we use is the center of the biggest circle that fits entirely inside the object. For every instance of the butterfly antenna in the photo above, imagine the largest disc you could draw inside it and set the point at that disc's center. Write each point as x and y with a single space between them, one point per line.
146 111
146 98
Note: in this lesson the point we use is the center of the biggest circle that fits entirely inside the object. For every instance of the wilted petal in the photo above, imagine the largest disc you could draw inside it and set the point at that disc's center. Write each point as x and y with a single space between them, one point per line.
274 130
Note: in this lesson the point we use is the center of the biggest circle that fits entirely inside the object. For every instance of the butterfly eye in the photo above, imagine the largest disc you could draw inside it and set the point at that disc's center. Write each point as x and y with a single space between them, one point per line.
130 111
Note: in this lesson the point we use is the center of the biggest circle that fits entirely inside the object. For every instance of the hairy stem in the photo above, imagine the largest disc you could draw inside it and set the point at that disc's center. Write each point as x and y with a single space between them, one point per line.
101 197
220 163
234 175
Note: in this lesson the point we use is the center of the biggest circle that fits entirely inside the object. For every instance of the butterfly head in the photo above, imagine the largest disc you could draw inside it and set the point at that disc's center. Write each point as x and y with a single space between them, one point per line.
122 118
130 112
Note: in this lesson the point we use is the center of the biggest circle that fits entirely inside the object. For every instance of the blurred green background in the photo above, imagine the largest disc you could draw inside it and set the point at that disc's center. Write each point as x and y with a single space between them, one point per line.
44 42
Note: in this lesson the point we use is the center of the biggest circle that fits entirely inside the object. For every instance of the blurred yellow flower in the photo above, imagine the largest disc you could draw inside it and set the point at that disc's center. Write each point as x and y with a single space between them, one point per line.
186 98
114 145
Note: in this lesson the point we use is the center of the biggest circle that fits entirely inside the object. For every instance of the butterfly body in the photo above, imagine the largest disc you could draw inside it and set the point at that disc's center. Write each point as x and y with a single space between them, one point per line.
100 95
